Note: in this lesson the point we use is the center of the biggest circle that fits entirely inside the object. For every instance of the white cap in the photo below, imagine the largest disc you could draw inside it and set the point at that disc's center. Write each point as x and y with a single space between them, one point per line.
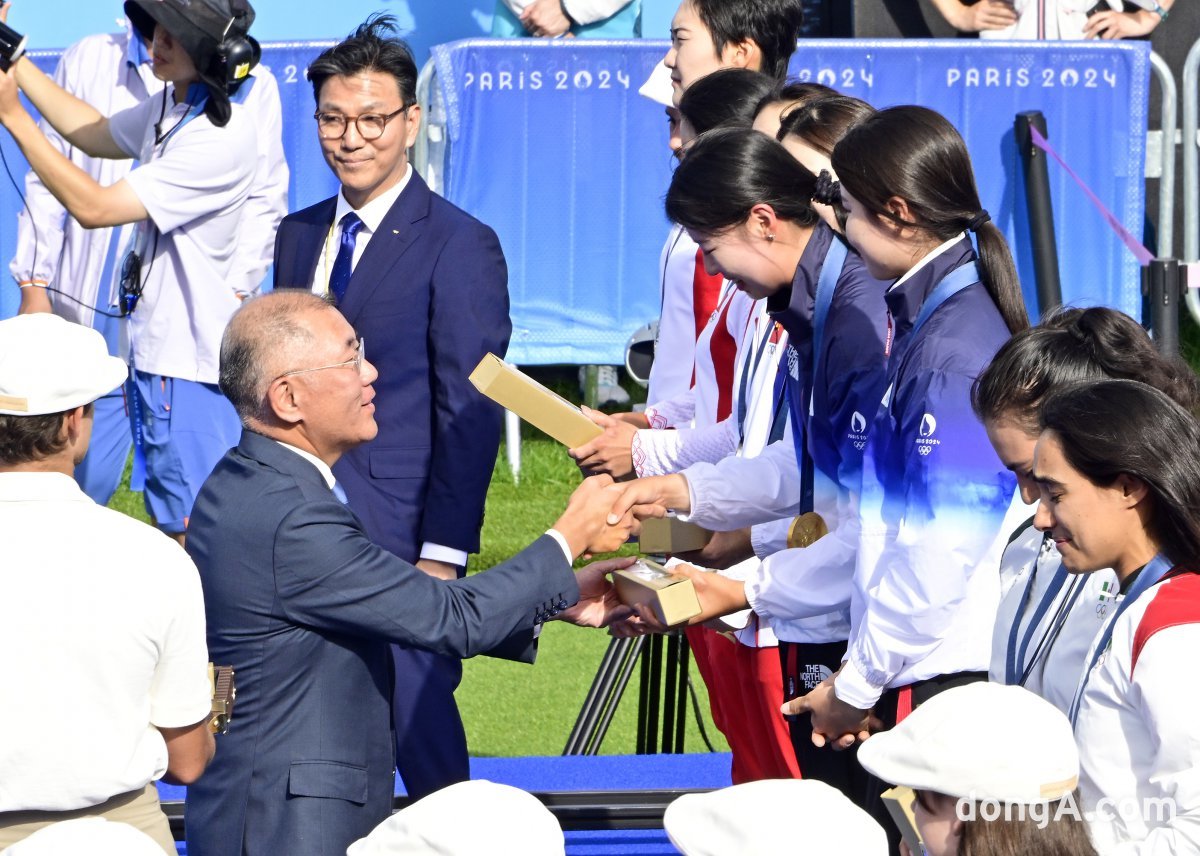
48 365
773 816
464 820
658 86
981 741
95 836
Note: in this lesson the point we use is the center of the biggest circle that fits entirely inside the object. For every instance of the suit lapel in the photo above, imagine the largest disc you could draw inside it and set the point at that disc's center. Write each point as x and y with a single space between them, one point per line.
402 226
309 239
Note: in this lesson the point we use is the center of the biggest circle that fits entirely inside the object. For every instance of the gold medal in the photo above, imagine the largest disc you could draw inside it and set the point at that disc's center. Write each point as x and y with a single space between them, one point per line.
806 529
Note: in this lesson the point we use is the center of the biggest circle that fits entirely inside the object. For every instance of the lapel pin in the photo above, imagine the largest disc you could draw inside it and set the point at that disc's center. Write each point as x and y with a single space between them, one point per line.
395 231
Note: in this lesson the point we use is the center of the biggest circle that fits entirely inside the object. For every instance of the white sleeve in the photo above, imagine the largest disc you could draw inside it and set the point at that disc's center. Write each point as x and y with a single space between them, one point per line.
1162 690
203 169
268 201
672 412
591 11
40 238
128 127
769 538
179 691
658 453
805 582
919 560
739 492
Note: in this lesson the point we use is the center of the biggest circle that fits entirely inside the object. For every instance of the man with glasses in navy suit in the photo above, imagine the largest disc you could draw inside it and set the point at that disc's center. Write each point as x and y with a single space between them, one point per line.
427 285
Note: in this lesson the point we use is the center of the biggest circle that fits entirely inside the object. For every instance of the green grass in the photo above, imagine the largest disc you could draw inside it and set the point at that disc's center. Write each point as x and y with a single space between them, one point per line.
513 709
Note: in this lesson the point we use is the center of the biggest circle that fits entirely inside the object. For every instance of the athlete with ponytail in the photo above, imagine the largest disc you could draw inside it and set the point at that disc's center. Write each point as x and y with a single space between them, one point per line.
934 494
748 204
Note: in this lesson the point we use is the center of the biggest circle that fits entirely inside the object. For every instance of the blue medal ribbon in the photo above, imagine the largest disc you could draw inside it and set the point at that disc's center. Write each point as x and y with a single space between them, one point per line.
831 272
1015 660
1158 568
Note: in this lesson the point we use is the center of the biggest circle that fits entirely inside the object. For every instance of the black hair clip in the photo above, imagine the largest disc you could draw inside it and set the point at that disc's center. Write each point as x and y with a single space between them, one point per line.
828 191
974 224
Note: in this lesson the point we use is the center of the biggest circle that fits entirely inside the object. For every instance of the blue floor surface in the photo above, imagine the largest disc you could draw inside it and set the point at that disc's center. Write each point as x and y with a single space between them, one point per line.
589 773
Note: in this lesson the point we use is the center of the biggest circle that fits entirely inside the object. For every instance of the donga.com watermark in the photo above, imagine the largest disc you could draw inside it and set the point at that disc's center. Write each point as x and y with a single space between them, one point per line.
1152 811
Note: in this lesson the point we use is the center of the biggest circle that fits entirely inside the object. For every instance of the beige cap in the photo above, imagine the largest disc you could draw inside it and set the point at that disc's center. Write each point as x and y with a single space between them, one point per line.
981 741
467 819
49 365
773 816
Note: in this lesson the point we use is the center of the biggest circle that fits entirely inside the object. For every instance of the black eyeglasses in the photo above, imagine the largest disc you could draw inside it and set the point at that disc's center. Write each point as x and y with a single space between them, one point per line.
332 126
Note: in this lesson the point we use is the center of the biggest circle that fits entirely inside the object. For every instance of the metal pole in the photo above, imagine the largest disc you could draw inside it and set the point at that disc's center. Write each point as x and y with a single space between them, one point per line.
1161 281
1041 213
598 694
1191 169
631 658
670 694
681 692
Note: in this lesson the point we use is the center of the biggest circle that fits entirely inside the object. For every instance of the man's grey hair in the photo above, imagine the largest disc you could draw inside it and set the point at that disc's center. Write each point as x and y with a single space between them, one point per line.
262 337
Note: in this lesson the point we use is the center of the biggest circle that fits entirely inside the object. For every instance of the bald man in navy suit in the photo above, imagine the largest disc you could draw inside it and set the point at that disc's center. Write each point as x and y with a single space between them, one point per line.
426 286
303 604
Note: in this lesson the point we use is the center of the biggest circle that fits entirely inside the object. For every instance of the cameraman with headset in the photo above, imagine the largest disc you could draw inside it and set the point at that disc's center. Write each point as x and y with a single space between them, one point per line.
197 149
63 268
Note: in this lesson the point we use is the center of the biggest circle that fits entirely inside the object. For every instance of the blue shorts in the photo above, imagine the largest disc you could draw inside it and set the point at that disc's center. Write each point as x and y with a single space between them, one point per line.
99 474
187 427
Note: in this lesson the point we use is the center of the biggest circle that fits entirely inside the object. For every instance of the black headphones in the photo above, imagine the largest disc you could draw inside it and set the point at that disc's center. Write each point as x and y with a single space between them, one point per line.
235 55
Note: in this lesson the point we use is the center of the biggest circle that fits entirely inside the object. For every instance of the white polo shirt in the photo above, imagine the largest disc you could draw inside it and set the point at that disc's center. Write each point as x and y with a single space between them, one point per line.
194 180
101 639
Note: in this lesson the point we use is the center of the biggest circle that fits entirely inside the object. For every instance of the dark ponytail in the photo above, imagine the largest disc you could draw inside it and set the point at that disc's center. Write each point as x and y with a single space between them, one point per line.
916 154
1072 346
727 172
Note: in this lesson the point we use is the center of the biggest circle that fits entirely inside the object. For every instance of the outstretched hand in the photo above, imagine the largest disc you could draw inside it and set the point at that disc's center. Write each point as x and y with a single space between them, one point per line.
652 497
588 523
612 452
598 604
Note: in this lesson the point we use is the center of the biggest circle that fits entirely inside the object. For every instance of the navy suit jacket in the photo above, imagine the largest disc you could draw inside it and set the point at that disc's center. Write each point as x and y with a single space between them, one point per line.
303 605
429 297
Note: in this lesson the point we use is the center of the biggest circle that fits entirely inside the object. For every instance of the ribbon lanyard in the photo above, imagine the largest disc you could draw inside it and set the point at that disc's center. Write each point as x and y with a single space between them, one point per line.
1158 568
747 371
831 271
950 285
1015 660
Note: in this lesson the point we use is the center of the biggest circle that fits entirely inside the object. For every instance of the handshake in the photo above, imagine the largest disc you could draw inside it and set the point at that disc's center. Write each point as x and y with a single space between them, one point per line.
601 516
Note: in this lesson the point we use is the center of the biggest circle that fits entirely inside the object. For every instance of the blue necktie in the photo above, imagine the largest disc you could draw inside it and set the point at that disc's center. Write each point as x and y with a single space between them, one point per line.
340 493
342 265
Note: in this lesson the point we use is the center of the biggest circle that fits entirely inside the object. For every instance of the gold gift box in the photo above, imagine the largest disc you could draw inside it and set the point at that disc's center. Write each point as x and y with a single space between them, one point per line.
672 598
541 407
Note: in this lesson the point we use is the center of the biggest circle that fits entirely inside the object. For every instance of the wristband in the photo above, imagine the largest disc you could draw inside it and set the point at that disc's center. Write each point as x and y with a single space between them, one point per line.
31 283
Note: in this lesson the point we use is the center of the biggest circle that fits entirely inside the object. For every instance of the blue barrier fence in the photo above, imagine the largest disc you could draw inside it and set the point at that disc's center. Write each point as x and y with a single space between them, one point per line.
550 143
